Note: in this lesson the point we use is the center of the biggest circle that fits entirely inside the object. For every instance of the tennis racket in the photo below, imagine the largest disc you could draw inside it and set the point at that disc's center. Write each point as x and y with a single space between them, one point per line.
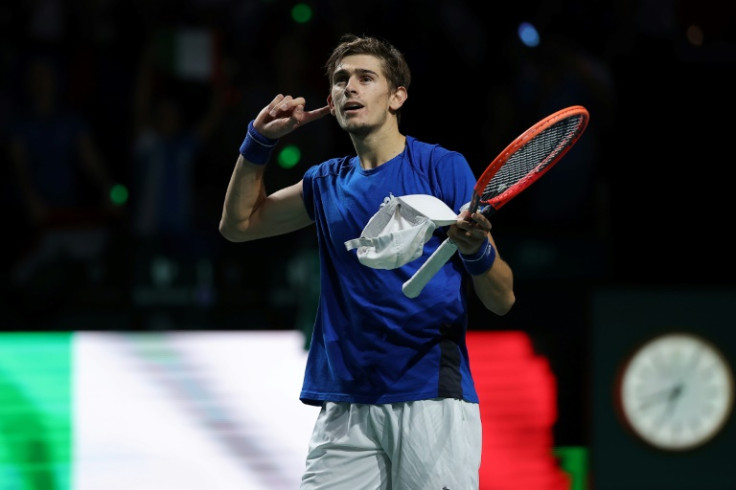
533 153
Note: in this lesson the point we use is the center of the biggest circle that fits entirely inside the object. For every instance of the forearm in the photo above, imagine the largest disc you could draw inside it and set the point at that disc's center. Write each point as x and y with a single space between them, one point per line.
493 279
495 287
245 192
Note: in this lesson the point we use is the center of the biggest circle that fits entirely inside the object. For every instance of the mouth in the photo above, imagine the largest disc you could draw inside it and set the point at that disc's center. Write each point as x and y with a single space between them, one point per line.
351 107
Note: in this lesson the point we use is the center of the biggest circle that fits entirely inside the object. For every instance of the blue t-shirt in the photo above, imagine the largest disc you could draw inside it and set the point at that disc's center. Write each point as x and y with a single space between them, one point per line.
370 343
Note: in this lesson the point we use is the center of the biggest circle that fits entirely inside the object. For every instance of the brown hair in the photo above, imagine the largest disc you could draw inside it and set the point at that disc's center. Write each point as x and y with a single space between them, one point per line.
394 65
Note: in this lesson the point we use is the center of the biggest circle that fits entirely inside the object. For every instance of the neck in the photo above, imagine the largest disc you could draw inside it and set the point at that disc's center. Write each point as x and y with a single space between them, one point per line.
375 149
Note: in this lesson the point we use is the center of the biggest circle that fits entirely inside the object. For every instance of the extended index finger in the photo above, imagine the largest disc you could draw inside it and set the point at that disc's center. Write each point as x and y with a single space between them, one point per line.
316 114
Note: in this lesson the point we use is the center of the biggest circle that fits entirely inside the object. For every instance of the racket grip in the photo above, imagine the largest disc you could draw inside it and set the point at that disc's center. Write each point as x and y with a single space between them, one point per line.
434 263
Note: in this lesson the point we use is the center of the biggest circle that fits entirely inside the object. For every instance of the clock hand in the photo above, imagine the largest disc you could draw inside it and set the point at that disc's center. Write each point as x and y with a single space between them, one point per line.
672 399
667 395
672 396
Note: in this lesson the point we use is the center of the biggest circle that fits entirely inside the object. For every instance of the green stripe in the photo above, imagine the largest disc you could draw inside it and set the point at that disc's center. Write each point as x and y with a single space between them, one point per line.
35 410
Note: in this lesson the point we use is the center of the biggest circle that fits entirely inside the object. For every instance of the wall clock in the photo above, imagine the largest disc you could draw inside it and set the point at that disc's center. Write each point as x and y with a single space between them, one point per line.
675 392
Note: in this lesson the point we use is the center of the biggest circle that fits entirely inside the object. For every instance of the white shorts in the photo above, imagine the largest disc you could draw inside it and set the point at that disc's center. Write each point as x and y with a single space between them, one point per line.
423 445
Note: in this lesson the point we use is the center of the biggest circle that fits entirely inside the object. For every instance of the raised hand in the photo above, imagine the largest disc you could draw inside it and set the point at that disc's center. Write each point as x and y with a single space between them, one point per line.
470 231
284 114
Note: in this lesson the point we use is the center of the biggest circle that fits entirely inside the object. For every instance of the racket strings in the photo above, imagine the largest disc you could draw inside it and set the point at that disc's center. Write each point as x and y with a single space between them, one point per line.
534 156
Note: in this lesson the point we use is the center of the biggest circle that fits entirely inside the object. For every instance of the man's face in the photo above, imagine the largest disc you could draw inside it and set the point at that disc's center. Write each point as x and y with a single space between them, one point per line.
360 97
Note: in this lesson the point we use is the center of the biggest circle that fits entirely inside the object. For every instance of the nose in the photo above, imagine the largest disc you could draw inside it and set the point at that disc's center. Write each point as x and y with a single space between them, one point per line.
349 89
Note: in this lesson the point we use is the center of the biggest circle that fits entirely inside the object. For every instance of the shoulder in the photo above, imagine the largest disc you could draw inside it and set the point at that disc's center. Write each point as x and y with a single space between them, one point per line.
331 167
433 155
319 180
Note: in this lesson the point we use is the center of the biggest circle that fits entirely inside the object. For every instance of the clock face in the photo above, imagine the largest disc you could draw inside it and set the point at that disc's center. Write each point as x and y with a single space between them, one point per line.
676 391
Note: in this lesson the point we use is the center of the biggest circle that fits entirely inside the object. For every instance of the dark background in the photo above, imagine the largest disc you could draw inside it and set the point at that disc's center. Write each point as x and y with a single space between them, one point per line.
643 201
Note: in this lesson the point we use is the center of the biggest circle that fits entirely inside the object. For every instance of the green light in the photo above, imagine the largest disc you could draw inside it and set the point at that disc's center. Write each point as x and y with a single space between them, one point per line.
289 156
574 461
119 194
301 13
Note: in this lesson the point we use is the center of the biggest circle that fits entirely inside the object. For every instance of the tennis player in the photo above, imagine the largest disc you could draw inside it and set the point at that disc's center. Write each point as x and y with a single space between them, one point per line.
399 409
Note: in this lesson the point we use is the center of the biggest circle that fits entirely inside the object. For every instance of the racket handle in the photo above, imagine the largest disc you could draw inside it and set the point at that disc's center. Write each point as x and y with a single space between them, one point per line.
434 263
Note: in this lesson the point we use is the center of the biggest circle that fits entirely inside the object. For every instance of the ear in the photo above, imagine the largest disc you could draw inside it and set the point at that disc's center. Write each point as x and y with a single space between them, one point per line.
331 104
398 98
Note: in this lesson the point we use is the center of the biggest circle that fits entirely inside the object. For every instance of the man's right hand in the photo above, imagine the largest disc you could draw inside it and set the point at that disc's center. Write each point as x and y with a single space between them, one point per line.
284 114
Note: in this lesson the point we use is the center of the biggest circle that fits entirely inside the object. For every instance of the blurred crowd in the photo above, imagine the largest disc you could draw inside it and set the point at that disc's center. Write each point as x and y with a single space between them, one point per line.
119 124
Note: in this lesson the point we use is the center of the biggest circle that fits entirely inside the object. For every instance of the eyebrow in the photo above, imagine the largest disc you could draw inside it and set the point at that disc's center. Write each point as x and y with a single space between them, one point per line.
359 71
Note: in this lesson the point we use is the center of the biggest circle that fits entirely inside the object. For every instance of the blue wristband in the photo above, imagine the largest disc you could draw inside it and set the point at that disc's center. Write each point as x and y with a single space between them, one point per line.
256 148
480 261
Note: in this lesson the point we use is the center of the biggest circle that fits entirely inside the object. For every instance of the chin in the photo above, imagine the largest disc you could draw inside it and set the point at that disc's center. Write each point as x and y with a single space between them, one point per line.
356 128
